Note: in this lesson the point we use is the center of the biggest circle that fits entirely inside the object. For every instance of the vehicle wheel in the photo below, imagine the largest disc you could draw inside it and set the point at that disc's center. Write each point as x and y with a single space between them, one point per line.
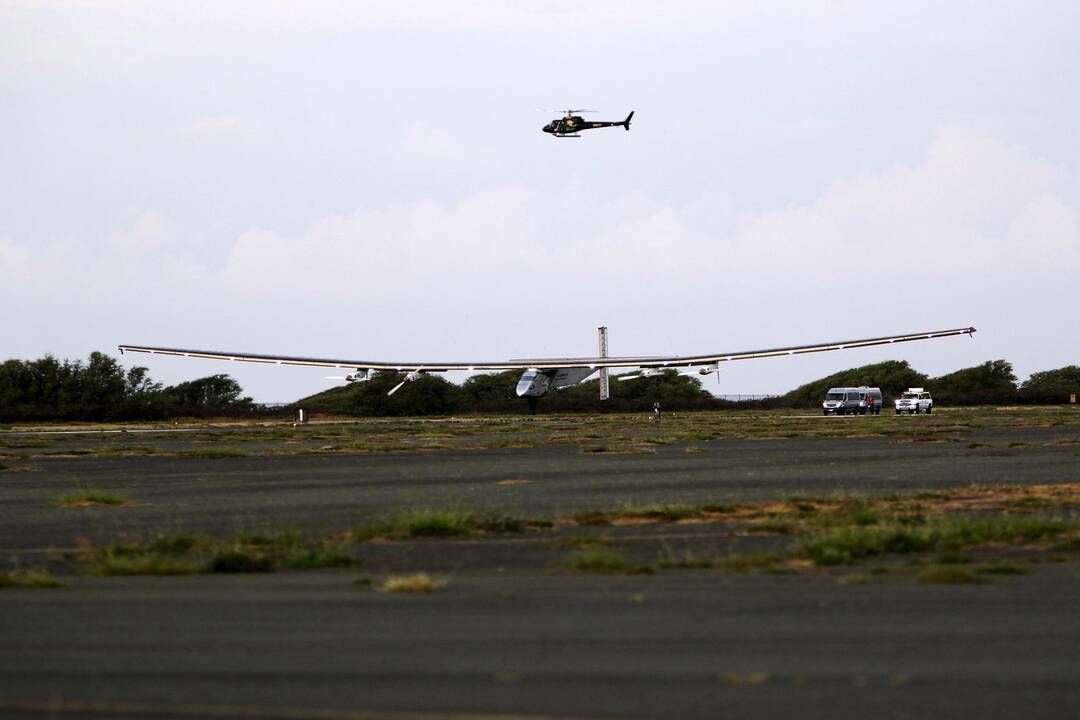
929 409
825 413
897 412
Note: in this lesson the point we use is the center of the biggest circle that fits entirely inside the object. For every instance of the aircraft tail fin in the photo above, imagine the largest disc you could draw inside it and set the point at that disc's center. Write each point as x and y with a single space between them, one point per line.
626 122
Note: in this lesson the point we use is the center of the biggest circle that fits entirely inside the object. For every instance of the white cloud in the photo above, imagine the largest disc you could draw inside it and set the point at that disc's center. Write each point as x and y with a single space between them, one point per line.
514 271
13 258
219 128
425 149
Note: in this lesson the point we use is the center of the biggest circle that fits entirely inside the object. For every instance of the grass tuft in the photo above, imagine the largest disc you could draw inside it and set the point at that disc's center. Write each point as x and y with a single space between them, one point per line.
312 558
435 523
592 517
180 544
499 524
426 522
80 498
29 578
415 583
1000 568
183 553
605 560
1067 545
846 545
118 562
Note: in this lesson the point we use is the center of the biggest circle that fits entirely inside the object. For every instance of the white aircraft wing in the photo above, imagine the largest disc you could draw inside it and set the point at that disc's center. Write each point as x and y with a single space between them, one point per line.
592 363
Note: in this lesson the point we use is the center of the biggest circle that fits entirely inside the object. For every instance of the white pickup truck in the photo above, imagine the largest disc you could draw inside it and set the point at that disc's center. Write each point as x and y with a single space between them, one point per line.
914 401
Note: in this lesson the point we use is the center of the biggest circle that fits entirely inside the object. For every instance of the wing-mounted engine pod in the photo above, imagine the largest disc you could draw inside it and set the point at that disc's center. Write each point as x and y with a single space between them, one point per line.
358 376
643 373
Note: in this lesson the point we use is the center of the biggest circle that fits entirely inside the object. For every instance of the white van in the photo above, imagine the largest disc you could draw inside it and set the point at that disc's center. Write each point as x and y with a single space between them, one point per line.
852 401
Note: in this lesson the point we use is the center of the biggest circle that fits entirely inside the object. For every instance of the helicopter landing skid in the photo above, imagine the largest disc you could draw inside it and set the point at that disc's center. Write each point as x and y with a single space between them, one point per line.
559 135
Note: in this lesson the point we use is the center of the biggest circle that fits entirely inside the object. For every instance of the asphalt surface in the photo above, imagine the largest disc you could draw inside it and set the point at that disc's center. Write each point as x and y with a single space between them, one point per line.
687 645
510 635
335 491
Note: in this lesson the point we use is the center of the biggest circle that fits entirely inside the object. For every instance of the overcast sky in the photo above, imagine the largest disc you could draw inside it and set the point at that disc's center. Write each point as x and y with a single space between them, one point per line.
369 180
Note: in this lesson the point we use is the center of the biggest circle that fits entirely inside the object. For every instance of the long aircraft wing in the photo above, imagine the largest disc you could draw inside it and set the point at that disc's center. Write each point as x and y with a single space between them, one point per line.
659 361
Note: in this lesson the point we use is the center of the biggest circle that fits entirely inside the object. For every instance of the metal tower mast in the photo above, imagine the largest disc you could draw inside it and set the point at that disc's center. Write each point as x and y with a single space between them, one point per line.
605 391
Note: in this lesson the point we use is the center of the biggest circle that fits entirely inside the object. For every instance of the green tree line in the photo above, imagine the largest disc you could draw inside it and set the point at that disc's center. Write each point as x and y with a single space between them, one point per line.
101 389
495 393
991 382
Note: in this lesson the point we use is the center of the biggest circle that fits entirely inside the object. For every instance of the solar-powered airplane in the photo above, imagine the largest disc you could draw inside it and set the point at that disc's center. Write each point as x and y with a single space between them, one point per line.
542 374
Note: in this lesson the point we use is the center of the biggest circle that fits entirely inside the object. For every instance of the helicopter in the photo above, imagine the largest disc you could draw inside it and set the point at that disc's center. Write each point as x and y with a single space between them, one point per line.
570 124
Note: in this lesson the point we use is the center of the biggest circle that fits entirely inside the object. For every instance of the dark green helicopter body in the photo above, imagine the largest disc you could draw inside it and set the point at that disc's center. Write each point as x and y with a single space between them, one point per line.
571 124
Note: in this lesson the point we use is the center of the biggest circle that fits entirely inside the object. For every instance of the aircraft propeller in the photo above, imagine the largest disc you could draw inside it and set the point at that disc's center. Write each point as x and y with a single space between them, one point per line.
408 379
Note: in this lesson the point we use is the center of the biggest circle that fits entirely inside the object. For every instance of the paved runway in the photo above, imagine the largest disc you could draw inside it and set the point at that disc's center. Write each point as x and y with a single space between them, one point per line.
518 638
333 492
688 645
